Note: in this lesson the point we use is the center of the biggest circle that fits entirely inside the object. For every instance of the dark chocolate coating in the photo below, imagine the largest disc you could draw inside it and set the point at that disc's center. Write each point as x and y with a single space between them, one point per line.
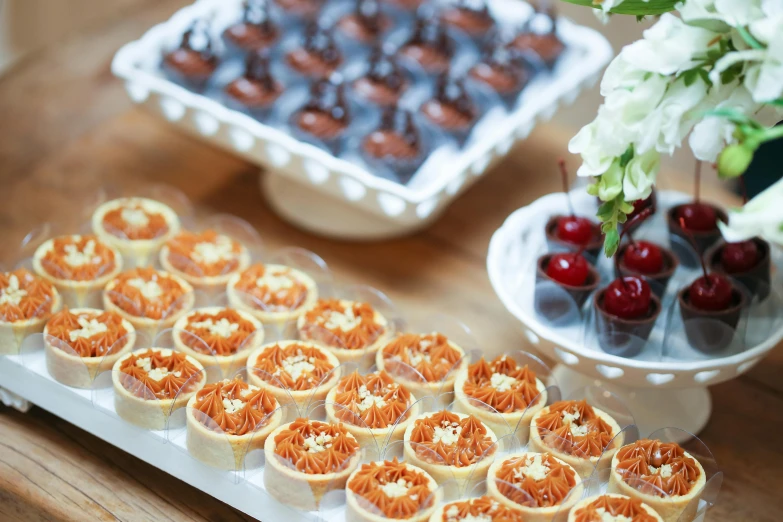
592 249
553 306
658 282
703 239
758 279
700 324
623 337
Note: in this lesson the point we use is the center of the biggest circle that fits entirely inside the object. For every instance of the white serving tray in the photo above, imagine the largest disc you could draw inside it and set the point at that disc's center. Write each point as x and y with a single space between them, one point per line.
332 196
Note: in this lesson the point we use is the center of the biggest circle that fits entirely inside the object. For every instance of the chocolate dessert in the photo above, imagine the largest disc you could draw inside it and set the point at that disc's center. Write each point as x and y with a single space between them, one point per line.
544 46
384 82
573 275
746 261
302 8
325 116
256 89
626 312
574 233
469 16
396 143
255 31
366 23
405 5
701 220
429 45
451 109
499 70
194 61
319 56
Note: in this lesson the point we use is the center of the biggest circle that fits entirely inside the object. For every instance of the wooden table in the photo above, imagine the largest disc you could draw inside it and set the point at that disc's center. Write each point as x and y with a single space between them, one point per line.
68 129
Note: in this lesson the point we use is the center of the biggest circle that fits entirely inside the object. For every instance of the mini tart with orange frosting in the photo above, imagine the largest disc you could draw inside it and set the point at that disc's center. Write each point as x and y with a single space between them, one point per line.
305 459
228 419
298 370
391 490
373 407
537 484
576 433
204 259
427 364
217 336
152 383
150 299
79 266
272 293
351 330
660 474
483 509
513 393
612 508
26 303
137 227
450 446
80 343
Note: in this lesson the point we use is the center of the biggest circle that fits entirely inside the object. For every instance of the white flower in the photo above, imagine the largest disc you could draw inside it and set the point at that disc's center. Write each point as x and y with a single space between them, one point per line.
625 111
673 118
669 47
713 133
595 160
610 185
723 13
762 216
640 174
621 75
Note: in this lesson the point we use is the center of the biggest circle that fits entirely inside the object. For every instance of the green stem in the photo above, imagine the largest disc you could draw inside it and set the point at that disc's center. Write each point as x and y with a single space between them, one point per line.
749 39
633 7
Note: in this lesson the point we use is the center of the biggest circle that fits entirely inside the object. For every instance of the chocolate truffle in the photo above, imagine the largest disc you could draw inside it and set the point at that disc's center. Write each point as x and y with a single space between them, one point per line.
395 144
469 16
303 8
384 82
255 30
429 45
194 61
256 89
540 45
451 109
319 56
499 70
366 23
325 116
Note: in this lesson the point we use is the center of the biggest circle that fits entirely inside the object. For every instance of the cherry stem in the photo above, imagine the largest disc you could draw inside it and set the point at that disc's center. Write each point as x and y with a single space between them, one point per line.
692 241
564 180
744 190
697 182
638 218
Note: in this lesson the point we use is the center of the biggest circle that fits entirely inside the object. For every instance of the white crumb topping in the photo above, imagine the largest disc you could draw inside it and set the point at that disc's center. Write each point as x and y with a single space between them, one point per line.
149 289
447 433
144 363
88 328
233 405
396 489
535 467
276 281
135 217
75 257
222 328
502 382
570 417
248 391
297 365
12 294
345 321
210 253
318 443
367 399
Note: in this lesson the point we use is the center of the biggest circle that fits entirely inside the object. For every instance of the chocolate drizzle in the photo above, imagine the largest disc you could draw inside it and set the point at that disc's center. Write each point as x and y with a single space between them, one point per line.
451 91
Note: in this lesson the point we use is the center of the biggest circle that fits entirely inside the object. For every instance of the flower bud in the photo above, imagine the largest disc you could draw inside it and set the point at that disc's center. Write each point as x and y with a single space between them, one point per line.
734 160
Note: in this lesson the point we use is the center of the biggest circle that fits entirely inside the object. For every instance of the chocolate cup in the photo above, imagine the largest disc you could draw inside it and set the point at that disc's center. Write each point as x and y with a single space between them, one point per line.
622 337
554 307
702 335
757 280
592 249
660 280
703 239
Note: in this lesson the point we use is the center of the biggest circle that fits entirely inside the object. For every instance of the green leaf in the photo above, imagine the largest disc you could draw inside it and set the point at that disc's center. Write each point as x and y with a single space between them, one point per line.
705 76
633 7
626 157
689 77
776 103
592 189
611 242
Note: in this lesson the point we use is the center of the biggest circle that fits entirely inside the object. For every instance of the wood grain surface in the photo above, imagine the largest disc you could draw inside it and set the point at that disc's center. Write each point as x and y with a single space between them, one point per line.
68 129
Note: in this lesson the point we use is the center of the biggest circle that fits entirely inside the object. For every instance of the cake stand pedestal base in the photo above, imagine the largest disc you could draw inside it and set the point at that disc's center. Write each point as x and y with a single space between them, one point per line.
322 214
653 408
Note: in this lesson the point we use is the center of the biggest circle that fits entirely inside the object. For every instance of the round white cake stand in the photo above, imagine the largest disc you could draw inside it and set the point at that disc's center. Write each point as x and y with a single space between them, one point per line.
660 393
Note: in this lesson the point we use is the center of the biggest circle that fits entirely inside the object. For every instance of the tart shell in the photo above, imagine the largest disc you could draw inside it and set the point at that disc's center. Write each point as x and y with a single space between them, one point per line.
13 334
572 517
208 282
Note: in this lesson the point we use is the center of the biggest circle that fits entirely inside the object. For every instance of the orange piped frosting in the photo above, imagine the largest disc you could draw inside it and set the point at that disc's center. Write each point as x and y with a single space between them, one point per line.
661 466
535 480
623 508
78 258
446 438
152 372
374 400
235 407
574 428
133 220
24 296
271 289
396 490
430 355
295 366
502 384
485 509
88 333
342 324
204 254
146 292
223 332
314 447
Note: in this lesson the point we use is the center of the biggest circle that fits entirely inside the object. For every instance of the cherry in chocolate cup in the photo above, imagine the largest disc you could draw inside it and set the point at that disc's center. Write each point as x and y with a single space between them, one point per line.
499 72
703 239
430 48
384 82
194 61
319 55
555 305
324 119
395 145
620 336
658 280
710 331
474 21
756 278
307 9
256 90
255 31
592 249
451 110
366 23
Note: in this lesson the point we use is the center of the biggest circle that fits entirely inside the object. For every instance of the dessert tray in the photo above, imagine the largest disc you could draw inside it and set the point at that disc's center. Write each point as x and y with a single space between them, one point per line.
257 378
665 382
331 195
